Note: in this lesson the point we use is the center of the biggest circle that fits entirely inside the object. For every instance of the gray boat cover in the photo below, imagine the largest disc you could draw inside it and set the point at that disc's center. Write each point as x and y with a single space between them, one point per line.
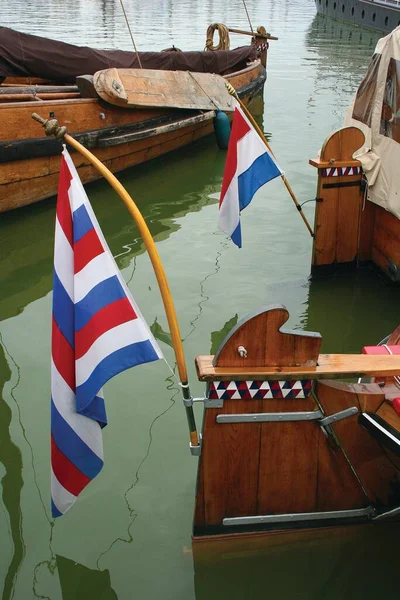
24 55
376 111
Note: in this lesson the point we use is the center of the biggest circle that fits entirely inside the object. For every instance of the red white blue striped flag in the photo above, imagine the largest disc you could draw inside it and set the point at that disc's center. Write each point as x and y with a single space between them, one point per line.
97 332
249 165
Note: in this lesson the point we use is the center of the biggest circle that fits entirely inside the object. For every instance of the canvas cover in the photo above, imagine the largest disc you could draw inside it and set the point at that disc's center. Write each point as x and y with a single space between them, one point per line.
376 111
24 55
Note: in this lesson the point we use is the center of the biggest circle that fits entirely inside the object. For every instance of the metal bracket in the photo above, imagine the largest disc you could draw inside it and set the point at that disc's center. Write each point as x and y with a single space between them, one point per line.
387 514
313 415
210 403
216 403
369 511
343 414
196 450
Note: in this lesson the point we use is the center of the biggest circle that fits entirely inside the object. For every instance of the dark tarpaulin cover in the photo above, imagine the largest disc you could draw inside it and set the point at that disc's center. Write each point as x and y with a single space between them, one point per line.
24 55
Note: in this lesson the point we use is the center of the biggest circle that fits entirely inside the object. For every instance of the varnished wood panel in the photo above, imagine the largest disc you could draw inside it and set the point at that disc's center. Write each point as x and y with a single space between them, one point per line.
33 180
266 344
330 366
288 461
78 115
230 463
389 415
377 473
386 239
337 216
366 231
337 486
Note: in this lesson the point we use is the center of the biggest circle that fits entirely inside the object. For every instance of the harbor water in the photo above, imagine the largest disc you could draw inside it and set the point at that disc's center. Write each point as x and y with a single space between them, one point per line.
129 534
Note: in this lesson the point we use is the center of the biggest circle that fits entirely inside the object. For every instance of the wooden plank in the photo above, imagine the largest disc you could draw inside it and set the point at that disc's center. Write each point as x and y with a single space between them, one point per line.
367 221
386 238
115 140
337 486
337 216
288 461
104 137
137 88
348 224
230 463
326 164
389 415
330 366
79 115
32 180
376 471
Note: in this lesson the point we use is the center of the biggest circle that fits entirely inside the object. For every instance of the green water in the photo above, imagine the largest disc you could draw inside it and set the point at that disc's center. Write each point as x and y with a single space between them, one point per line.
129 534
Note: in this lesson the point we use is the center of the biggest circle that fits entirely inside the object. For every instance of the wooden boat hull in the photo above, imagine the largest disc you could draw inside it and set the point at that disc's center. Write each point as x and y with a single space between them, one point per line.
350 230
119 137
284 444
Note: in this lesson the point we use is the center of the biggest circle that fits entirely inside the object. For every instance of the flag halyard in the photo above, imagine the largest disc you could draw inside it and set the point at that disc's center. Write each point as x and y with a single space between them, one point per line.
97 332
249 165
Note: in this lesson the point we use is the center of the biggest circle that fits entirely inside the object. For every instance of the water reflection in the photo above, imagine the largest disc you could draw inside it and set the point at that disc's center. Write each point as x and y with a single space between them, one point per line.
11 483
217 337
338 53
80 583
26 243
327 564
345 307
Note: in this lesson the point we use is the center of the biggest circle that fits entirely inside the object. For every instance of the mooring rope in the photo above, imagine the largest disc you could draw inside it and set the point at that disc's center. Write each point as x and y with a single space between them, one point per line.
248 17
224 41
130 32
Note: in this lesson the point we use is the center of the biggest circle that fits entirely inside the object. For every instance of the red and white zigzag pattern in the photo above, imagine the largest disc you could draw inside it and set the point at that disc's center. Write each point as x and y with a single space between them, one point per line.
248 390
340 171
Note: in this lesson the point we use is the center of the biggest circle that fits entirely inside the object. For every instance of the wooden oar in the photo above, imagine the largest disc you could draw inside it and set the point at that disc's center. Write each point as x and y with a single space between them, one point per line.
233 93
267 36
52 128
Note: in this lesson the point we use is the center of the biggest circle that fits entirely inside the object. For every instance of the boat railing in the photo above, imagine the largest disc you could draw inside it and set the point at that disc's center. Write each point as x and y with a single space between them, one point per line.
389 3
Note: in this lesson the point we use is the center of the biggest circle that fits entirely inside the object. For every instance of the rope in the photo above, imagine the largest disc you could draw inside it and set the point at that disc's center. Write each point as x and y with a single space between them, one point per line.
130 32
223 32
247 13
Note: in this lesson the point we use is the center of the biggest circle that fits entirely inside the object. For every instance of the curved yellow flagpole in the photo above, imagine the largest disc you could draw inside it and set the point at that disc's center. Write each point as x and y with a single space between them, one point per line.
52 128
233 93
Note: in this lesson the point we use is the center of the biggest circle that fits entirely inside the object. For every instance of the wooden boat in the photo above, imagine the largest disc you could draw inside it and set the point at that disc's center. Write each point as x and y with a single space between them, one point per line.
286 443
357 216
119 135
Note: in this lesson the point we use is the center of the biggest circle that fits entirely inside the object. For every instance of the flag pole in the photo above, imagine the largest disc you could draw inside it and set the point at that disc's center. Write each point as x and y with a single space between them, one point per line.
233 93
52 127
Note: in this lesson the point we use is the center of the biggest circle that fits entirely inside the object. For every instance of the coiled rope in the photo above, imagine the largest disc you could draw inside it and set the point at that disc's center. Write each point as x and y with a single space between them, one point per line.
223 32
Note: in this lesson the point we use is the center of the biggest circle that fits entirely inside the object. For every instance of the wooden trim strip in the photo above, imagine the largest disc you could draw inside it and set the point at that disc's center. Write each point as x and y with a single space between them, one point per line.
324 164
116 140
329 366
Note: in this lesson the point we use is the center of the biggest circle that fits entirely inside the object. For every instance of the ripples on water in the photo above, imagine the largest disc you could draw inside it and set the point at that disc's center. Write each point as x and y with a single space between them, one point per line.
129 535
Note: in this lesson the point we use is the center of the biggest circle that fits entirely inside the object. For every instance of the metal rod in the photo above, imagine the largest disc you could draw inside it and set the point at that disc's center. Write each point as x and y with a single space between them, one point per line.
233 93
52 128
133 41
312 415
297 517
